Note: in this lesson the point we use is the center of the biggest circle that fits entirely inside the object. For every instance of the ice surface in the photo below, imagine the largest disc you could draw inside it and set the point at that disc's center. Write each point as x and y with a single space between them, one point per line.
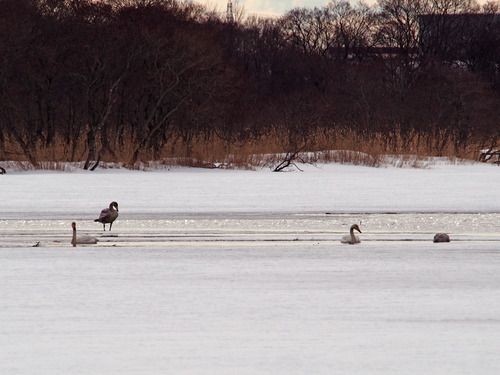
269 308
235 272
327 188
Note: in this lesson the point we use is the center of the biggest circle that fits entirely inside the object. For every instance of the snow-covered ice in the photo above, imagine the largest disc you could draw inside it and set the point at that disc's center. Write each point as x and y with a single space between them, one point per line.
326 188
242 272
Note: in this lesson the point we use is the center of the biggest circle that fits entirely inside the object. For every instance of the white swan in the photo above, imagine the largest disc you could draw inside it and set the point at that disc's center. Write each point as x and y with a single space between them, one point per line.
441 237
108 215
81 240
351 238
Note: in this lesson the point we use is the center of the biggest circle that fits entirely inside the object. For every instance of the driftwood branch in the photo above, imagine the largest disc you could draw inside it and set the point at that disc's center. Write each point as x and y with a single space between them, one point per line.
289 160
486 155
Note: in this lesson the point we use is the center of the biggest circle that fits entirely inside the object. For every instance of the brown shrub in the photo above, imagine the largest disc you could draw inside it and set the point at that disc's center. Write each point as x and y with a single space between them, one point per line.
265 150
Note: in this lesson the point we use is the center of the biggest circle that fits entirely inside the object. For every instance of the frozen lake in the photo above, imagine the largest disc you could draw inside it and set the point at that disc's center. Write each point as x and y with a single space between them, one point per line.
261 286
273 293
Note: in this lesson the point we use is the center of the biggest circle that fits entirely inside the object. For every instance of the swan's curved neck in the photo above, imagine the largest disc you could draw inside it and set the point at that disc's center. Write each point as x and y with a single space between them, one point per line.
353 236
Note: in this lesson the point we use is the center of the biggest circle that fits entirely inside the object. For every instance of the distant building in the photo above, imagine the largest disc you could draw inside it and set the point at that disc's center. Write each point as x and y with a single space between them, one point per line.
458 37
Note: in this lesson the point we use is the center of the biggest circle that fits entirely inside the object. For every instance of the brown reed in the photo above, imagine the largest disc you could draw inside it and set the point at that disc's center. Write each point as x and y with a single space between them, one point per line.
259 151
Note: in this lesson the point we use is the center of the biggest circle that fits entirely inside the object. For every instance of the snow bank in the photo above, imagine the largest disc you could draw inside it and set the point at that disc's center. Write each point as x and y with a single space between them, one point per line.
324 188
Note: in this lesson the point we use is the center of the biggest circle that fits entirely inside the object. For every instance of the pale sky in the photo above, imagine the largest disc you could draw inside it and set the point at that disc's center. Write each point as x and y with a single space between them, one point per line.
275 7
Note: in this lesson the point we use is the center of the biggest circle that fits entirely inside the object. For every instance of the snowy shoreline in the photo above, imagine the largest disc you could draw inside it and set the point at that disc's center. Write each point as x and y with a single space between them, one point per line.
327 188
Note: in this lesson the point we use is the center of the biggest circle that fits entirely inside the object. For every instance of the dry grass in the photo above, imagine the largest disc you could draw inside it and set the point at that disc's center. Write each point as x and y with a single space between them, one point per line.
265 151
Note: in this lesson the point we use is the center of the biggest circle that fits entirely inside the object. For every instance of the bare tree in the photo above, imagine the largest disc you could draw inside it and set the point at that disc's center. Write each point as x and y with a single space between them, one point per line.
352 29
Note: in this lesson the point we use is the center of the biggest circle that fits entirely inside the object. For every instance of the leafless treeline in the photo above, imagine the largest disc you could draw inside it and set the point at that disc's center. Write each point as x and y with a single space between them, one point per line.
122 79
